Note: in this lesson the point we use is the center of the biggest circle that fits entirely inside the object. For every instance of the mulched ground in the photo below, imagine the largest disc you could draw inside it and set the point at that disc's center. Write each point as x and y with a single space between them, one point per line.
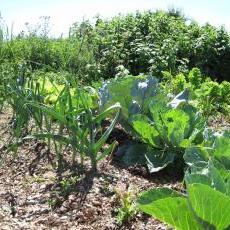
33 197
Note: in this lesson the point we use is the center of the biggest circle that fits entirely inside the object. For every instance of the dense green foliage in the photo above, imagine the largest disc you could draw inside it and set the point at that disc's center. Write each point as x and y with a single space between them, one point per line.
149 42
207 95
163 127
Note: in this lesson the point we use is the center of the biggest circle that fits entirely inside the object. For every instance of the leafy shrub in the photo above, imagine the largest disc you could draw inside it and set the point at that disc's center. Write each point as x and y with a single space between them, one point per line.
212 97
195 78
207 95
179 83
225 91
148 42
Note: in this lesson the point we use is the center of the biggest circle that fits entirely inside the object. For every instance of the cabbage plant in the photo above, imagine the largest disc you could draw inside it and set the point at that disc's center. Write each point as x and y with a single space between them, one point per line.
134 94
164 134
206 203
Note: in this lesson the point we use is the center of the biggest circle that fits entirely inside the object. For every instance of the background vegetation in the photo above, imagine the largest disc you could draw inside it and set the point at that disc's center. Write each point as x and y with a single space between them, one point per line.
148 42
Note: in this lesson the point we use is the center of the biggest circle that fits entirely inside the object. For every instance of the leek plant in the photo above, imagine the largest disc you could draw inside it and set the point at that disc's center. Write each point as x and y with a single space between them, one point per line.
78 127
71 120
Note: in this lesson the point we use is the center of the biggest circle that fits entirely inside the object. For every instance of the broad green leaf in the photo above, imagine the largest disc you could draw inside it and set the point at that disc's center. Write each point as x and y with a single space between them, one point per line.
143 92
228 187
195 154
210 205
197 124
131 154
158 159
208 174
176 122
197 178
218 182
168 206
146 131
155 194
222 150
225 173
118 90
157 108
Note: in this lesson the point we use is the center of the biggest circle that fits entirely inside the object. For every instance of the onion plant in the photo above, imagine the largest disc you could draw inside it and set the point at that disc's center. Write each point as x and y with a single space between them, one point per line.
71 121
78 127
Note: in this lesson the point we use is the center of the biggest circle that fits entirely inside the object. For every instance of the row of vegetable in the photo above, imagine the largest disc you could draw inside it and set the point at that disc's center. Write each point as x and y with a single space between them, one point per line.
167 128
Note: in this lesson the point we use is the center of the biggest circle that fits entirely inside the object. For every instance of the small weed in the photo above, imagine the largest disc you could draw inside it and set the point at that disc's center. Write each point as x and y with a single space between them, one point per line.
54 203
126 198
67 184
37 179
28 181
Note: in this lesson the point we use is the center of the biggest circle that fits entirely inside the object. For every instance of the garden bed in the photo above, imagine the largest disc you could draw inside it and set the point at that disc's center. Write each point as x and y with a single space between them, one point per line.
32 196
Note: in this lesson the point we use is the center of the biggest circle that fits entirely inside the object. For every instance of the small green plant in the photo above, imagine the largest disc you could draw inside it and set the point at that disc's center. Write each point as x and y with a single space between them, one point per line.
179 83
80 124
19 91
126 199
37 179
70 120
54 203
212 97
195 78
67 184
209 92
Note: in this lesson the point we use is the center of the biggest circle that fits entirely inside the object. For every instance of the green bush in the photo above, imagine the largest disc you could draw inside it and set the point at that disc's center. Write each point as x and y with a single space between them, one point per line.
148 42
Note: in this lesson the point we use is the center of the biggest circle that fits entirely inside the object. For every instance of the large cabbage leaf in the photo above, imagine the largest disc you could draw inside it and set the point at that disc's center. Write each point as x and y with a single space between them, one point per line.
210 205
202 208
132 92
168 206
